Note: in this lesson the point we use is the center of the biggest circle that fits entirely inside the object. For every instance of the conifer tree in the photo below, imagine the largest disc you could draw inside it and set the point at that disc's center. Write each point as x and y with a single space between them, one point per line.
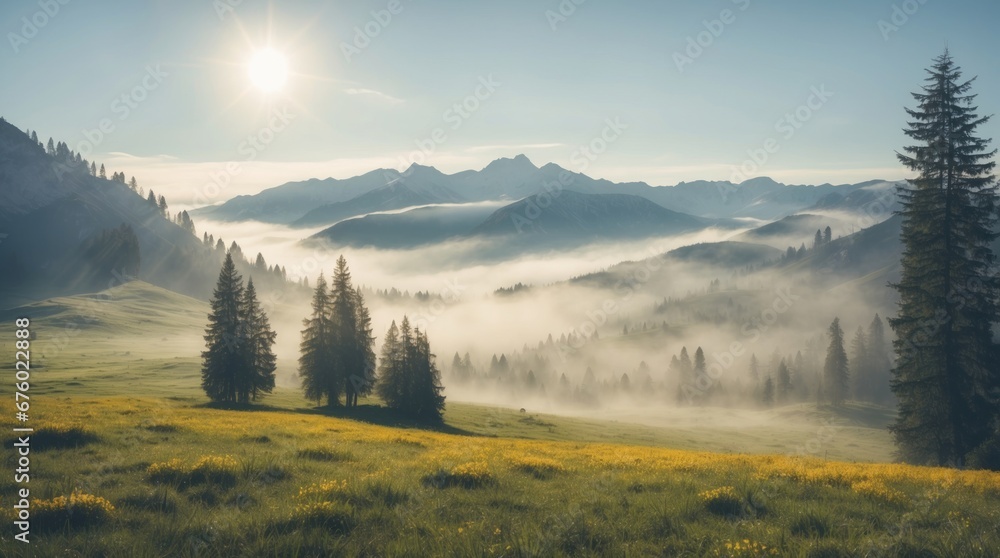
224 358
699 363
316 367
258 339
427 399
408 379
861 371
338 348
390 386
767 394
237 252
784 382
878 360
687 369
362 379
945 376
835 369
344 340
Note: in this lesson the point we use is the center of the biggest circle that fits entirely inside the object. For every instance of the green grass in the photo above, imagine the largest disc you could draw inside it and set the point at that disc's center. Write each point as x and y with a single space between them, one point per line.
216 482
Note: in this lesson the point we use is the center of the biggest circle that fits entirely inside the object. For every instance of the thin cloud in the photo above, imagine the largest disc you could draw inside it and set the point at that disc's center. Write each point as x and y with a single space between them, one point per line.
373 93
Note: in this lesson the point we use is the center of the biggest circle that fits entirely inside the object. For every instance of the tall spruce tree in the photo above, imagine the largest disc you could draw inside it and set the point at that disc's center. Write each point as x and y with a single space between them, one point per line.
427 398
390 386
945 376
346 359
878 360
258 340
316 366
767 393
224 358
859 365
362 380
835 371
784 382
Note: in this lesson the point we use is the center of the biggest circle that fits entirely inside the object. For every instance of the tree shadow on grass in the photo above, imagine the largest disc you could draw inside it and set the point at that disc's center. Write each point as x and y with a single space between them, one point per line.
242 407
862 414
384 416
367 413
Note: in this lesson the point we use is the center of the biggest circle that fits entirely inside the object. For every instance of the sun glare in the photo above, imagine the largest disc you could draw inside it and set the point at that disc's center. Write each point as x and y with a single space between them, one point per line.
268 70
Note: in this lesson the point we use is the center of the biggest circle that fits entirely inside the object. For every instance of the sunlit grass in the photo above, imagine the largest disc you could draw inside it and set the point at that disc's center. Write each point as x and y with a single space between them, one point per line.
262 483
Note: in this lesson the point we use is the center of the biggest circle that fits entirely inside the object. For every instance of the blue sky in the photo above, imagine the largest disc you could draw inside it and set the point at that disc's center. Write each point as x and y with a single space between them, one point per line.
557 81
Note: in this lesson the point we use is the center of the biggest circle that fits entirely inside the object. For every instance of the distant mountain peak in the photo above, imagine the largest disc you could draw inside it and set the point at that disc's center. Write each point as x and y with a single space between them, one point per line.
519 163
760 180
416 167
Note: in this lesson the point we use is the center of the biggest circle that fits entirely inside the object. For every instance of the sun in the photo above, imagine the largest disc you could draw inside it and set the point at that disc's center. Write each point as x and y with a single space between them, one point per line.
268 70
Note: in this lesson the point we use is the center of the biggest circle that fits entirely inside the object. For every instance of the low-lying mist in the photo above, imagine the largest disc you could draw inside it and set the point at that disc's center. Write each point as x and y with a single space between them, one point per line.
570 330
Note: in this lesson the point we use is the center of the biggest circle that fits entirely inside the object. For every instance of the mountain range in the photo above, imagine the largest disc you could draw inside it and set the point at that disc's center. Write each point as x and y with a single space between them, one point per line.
315 203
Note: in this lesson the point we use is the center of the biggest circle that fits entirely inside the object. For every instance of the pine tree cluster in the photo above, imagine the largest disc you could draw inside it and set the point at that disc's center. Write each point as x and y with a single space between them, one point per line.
409 380
337 350
238 364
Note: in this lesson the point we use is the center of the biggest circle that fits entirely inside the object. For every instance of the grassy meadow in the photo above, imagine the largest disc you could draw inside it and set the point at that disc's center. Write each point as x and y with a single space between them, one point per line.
130 460
119 476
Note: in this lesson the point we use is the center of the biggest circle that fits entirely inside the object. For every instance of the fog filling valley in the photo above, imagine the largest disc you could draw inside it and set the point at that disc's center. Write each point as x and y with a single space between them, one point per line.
581 333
